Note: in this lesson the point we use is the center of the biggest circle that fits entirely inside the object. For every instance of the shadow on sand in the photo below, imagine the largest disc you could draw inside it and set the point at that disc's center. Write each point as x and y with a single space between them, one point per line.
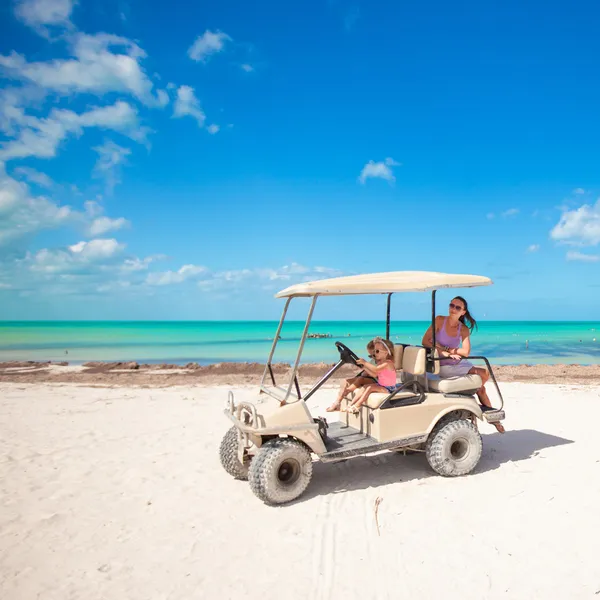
390 467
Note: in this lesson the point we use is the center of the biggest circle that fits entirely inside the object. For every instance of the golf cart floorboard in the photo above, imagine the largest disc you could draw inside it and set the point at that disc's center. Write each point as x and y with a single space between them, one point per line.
345 442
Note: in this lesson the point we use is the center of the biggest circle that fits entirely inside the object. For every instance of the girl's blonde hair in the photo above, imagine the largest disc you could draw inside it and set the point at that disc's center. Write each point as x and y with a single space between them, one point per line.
388 344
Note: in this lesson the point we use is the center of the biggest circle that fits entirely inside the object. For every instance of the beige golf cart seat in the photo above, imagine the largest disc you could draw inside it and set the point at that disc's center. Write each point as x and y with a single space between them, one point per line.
410 364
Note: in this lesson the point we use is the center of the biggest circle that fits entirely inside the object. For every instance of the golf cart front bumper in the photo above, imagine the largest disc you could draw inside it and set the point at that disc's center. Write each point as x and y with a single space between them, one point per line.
291 420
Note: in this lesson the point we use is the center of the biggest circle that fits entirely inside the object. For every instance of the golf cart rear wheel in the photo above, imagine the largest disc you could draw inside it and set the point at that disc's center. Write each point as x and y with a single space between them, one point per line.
228 453
454 449
281 471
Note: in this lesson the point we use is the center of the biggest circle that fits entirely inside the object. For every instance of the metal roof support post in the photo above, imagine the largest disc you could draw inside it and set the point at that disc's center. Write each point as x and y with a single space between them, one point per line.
432 351
299 355
387 320
275 340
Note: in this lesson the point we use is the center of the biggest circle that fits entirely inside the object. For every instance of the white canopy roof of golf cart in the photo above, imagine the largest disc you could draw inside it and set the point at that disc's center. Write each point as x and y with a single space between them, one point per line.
383 283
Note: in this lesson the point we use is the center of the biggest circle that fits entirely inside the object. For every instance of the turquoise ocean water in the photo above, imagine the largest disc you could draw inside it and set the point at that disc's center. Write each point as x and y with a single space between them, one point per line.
504 342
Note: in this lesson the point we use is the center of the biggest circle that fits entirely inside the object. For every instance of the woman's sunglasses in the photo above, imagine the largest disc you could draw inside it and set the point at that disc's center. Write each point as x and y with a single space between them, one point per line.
455 306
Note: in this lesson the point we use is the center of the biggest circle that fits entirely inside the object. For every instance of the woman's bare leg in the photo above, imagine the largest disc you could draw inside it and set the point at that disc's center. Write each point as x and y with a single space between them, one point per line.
482 393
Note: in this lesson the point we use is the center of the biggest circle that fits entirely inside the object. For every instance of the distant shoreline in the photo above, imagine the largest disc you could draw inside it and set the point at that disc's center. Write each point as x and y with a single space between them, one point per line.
234 373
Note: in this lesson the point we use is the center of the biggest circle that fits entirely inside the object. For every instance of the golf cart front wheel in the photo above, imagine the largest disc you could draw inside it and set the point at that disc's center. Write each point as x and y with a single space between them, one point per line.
454 449
281 471
228 453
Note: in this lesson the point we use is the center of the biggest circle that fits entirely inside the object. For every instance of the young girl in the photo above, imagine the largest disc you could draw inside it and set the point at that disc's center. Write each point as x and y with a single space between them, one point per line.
383 369
353 383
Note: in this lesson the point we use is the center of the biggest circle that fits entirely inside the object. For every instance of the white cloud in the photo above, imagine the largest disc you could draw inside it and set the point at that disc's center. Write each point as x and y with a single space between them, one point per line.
207 44
139 264
491 216
212 129
578 256
110 158
40 14
248 68
102 63
580 226
511 212
533 248
186 104
579 191
22 215
381 170
41 136
171 277
103 225
283 276
75 258
34 176
97 249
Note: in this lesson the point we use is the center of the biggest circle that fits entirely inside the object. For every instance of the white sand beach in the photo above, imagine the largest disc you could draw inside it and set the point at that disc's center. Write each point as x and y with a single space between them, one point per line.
118 494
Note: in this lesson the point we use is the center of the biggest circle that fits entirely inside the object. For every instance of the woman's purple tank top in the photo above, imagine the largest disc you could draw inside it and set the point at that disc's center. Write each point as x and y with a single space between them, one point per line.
444 339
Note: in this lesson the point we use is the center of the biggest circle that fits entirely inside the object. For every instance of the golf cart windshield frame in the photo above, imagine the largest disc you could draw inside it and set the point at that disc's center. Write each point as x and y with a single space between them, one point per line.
282 393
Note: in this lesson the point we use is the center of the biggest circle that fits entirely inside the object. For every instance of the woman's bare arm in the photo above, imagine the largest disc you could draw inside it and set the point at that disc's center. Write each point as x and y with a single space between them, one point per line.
466 345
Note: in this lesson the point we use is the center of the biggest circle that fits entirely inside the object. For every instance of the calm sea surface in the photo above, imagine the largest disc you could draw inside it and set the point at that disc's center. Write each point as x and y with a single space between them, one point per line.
505 342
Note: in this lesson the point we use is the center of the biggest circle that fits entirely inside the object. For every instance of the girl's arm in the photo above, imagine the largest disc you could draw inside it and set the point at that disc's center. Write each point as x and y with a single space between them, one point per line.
375 369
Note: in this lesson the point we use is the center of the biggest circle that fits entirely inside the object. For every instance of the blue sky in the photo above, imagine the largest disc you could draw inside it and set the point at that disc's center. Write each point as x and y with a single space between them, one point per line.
167 161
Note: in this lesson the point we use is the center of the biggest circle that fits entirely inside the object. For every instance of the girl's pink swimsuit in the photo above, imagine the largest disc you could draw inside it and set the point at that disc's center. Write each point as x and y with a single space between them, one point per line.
387 378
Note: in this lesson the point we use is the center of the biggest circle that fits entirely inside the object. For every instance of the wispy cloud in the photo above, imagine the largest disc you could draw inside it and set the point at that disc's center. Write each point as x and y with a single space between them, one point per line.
246 67
41 137
187 104
379 170
102 63
34 176
579 191
25 215
111 157
207 44
579 256
185 273
41 15
533 248
511 212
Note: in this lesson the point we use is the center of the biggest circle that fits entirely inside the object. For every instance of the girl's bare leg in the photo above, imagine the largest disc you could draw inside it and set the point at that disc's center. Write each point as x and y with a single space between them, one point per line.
357 402
346 387
482 393
370 389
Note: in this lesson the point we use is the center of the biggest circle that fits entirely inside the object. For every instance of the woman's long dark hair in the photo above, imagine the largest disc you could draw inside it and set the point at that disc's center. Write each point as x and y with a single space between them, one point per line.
467 319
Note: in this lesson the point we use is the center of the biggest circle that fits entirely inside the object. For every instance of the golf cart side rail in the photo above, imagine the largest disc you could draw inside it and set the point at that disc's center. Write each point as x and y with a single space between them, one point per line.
490 370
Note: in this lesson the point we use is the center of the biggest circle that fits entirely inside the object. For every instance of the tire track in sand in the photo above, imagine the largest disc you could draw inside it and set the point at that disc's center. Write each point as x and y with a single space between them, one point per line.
325 547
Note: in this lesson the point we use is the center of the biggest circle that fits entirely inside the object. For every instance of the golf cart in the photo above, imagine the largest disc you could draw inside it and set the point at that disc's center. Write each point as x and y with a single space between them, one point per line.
272 441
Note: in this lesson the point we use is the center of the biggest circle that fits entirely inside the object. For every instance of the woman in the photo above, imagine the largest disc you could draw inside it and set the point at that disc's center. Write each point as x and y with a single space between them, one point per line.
452 339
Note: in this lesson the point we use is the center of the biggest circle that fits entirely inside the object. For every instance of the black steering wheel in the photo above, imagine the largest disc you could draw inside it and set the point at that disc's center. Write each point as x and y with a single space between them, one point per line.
346 355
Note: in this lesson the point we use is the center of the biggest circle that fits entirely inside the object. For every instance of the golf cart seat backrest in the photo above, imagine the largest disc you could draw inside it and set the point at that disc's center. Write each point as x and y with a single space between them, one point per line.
398 354
414 362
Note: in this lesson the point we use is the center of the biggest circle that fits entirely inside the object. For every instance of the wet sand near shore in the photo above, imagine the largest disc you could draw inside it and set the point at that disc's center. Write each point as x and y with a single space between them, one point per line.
165 375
